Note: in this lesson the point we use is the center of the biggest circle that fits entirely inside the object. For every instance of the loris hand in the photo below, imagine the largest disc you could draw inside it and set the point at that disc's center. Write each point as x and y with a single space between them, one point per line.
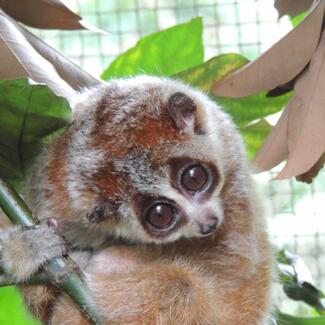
24 250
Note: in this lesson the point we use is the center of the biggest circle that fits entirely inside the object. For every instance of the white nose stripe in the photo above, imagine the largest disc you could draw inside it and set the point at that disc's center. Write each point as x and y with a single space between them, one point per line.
194 211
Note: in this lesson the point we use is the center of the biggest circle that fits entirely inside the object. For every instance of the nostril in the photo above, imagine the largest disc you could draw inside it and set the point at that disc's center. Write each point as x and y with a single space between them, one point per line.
209 229
215 224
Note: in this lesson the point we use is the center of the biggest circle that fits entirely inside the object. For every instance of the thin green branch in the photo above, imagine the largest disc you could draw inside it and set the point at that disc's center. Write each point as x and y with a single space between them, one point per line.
61 271
41 277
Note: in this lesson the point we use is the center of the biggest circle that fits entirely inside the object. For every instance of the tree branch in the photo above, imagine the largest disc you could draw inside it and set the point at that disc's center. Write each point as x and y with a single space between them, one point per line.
40 277
60 271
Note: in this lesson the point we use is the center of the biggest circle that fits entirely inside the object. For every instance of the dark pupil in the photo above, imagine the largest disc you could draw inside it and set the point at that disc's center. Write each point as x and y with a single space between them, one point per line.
194 178
161 215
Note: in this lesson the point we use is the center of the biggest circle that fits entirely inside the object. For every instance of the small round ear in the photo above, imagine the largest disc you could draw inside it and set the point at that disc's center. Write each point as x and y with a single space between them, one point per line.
182 110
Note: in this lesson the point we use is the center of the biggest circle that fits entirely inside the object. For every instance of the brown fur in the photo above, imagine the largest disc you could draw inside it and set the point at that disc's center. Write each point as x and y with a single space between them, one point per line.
130 145
188 282
56 172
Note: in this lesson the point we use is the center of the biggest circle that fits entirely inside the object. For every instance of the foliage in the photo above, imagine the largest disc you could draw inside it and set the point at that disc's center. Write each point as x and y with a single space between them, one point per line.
298 19
29 114
284 319
12 309
247 112
298 137
160 54
296 279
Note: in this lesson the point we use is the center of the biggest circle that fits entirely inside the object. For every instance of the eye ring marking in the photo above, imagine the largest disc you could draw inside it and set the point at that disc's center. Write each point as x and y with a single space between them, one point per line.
161 215
194 178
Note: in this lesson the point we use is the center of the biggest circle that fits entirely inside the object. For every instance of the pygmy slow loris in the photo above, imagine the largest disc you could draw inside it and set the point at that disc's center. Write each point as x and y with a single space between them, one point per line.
150 182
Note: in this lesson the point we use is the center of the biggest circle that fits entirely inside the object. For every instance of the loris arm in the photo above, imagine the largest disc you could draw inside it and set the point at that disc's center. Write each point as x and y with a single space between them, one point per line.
135 291
23 251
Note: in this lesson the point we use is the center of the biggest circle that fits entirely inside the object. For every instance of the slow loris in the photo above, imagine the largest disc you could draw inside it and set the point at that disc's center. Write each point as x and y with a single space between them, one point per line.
151 186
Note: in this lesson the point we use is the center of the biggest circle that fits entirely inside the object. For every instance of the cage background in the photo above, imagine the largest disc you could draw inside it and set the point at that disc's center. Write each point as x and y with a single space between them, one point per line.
249 27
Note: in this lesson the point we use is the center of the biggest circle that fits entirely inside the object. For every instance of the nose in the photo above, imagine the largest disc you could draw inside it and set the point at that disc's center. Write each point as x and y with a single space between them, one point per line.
209 228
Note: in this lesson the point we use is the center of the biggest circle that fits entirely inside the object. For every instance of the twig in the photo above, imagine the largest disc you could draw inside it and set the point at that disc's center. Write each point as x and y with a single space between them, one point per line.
61 271
41 277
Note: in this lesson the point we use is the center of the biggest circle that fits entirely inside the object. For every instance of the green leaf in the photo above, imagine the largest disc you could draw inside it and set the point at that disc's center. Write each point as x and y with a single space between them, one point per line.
284 319
245 110
297 19
254 136
28 114
294 275
307 293
12 311
203 76
163 53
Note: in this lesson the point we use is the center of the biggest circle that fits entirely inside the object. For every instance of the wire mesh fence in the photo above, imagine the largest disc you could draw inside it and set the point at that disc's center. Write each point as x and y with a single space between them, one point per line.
246 26
296 221
249 27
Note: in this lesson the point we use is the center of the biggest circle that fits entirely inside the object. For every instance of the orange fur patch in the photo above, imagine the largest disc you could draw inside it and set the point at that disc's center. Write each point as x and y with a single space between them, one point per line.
154 131
56 172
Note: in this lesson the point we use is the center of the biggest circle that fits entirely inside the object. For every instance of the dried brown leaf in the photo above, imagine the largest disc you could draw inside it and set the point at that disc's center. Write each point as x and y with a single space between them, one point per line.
306 118
9 65
32 63
28 56
70 72
292 7
309 176
275 149
45 14
278 65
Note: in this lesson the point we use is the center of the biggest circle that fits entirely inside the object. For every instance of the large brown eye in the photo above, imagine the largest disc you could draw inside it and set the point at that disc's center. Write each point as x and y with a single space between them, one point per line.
194 178
161 215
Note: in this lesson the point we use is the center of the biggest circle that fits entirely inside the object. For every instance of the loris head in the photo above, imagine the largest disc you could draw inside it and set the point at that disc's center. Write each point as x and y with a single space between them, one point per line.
145 159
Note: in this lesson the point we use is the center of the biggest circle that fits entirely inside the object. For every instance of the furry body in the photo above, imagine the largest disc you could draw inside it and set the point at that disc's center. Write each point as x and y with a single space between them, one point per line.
127 145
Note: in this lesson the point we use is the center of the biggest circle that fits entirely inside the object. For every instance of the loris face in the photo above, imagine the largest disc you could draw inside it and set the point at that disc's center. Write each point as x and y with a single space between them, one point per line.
144 160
